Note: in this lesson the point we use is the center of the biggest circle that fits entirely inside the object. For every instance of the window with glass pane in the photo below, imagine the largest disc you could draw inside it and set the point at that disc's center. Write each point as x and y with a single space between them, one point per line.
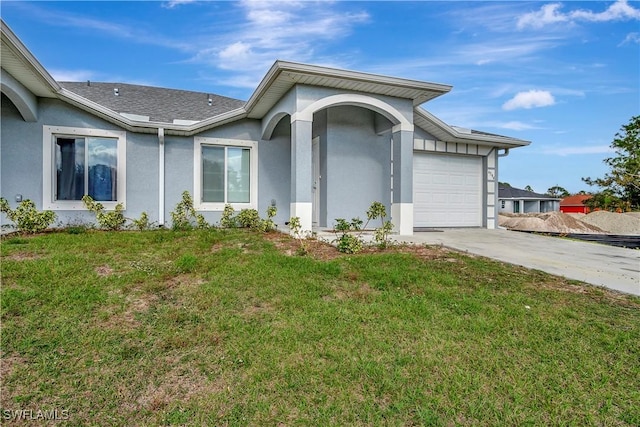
238 175
86 166
213 174
226 174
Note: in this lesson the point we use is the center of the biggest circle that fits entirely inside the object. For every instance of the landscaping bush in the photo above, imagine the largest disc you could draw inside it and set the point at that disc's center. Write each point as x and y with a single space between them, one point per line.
185 214
111 220
26 217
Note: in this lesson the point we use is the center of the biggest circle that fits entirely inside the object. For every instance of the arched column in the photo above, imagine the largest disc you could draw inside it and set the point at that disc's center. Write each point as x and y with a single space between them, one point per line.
402 201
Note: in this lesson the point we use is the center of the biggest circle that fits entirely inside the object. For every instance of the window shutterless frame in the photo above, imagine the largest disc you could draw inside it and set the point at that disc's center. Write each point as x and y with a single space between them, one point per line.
224 151
50 134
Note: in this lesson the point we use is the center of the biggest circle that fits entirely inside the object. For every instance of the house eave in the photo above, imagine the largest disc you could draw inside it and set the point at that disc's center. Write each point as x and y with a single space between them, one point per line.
18 61
283 75
149 126
448 133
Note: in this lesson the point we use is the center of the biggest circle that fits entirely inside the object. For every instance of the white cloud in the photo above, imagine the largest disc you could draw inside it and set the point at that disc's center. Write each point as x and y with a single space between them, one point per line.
515 125
234 53
548 14
567 151
620 10
270 30
485 52
175 3
551 14
631 38
529 99
91 25
72 75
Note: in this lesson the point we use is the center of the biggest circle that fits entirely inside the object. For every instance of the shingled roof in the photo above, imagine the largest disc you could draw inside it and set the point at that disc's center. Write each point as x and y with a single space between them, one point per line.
516 193
159 104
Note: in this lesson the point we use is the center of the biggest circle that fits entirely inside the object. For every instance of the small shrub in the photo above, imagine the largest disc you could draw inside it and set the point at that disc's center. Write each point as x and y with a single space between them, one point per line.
356 223
296 230
342 225
345 242
268 224
248 218
185 213
26 217
228 220
349 244
141 223
112 220
376 210
380 234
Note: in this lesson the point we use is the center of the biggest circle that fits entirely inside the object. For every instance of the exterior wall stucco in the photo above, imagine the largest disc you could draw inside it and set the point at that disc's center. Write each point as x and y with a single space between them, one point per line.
275 172
358 164
22 157
355 158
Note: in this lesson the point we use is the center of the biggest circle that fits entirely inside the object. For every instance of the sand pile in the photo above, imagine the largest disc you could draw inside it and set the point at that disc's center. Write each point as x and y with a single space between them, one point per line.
550 222
614 223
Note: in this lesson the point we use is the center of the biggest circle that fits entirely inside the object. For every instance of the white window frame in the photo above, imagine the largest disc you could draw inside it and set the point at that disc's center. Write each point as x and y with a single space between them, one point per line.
49 134
198 143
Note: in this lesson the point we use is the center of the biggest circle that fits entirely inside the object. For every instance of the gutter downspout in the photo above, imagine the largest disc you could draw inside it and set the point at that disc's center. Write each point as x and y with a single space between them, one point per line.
505 154
161 177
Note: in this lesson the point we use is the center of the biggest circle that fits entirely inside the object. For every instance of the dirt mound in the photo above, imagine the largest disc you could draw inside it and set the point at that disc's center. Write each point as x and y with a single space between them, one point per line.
550 222
614 223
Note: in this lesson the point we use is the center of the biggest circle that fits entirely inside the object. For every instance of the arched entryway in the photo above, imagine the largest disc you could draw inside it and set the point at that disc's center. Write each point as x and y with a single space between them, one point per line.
342 146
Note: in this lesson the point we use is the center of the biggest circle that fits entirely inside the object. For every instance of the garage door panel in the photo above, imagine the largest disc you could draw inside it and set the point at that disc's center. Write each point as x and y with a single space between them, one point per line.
447 190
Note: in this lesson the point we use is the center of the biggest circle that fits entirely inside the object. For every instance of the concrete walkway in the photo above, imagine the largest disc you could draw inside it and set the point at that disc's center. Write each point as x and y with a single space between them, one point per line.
593 263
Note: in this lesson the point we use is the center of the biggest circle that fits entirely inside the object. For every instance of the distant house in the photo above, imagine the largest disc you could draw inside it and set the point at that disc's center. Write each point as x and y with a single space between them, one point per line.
575 204
515 200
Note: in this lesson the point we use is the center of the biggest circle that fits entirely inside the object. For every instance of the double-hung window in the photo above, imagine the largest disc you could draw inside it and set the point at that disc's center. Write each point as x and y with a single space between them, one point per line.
225 172
79 162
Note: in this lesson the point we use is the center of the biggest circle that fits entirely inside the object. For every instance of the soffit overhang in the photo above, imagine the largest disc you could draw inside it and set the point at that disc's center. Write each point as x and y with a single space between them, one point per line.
284 75
18 61
443 132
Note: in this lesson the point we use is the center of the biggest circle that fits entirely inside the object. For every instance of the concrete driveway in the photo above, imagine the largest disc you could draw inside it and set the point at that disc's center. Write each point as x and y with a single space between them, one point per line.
593 263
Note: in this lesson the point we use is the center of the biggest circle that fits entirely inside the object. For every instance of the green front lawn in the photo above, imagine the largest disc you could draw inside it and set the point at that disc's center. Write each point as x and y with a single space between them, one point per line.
234 328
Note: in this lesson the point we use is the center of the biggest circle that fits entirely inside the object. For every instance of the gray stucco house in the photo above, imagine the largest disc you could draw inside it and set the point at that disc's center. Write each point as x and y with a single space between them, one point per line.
516 200
319 143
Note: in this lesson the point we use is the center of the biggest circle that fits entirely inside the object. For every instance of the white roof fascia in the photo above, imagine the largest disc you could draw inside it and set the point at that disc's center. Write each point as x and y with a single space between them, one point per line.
266 81
499 141
361 76
280 67
219 120
14 43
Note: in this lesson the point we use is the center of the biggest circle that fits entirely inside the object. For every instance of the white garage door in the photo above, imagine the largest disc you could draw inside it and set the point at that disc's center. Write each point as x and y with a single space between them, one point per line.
447 190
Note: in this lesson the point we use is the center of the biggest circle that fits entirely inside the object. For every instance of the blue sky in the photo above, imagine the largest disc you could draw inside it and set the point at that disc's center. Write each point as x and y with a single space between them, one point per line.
563 75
